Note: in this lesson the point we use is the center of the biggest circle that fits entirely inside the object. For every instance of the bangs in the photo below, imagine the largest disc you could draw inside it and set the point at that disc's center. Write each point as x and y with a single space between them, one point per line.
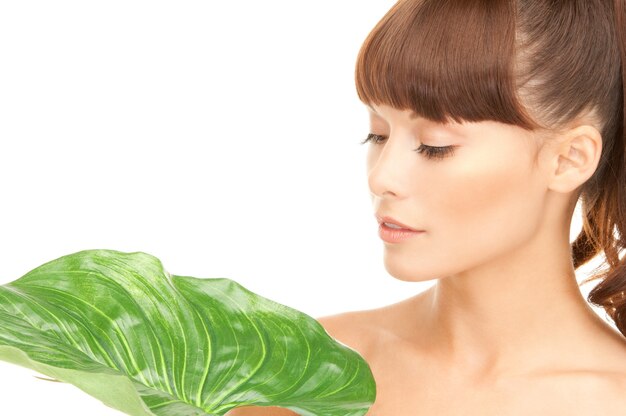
444 59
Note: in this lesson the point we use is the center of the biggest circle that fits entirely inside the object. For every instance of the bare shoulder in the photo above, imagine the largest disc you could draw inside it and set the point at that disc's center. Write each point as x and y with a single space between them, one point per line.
594 384
613 394
359 330
349 328
605 391
399 319
609 382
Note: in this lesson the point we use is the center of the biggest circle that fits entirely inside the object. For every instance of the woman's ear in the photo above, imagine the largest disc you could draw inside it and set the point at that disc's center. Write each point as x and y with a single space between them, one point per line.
573 156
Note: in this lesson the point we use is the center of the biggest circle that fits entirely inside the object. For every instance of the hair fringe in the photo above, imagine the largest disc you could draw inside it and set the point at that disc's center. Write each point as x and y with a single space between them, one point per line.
410 61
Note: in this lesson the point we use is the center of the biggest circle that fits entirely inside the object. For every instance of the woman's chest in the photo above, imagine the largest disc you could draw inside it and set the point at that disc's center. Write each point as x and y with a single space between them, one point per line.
413 399
406 386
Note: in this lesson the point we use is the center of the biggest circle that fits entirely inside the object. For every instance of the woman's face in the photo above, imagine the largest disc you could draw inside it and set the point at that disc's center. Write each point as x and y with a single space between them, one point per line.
482 199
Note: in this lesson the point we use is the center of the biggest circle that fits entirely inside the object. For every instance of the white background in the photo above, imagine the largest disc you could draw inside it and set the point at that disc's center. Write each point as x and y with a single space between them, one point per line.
221 137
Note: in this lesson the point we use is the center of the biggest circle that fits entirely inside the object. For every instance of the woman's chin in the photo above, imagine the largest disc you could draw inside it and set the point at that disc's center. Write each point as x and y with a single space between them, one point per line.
407 272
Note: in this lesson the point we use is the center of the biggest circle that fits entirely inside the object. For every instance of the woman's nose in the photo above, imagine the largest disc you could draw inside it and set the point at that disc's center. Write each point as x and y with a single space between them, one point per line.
388 169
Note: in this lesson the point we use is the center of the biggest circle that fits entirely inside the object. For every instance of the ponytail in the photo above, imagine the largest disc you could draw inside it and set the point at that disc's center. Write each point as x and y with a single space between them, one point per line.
604 205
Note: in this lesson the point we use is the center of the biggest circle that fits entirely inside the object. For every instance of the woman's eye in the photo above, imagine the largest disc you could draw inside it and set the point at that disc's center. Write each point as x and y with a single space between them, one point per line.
375 138
430 152
435 152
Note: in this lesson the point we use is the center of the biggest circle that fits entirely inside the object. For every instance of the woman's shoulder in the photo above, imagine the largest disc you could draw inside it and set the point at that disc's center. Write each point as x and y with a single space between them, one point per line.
366 330
356 329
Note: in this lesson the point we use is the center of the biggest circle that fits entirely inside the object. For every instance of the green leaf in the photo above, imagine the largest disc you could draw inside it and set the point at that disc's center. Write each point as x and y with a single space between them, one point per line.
121 328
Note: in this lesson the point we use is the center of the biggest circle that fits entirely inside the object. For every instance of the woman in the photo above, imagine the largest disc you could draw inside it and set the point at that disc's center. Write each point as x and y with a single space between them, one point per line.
489 121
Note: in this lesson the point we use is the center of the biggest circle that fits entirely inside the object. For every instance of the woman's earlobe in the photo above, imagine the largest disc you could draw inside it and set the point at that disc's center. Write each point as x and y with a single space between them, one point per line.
577 154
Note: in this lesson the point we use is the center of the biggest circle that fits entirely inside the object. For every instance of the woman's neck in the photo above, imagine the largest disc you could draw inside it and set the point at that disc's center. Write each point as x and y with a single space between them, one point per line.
512 315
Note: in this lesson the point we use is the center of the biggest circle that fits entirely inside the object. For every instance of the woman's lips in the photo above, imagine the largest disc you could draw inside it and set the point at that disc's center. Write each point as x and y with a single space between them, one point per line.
391 220
395 235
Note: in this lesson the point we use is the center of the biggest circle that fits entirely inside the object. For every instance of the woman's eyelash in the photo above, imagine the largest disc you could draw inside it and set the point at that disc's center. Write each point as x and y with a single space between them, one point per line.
374 138
429 151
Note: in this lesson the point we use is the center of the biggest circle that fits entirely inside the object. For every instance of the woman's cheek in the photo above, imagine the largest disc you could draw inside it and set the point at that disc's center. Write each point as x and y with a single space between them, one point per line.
488 203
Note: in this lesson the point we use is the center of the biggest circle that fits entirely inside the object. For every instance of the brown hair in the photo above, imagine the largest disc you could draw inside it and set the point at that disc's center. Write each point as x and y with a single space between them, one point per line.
537 64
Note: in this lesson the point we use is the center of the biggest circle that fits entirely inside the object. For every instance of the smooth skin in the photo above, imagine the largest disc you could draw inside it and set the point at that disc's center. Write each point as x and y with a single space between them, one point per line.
505 331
